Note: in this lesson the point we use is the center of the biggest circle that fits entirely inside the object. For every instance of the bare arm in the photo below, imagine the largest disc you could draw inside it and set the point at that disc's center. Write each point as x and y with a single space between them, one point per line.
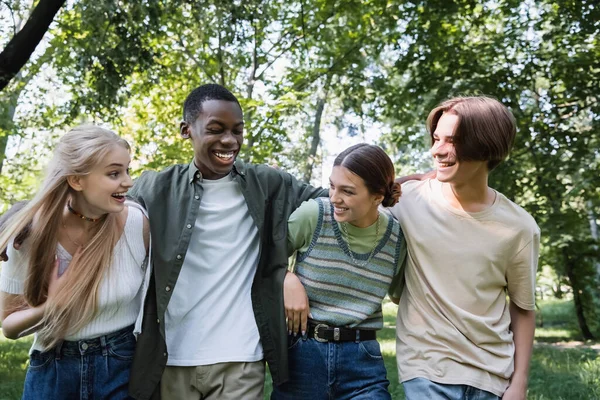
296 304
17 319
417 177
3 221
523 328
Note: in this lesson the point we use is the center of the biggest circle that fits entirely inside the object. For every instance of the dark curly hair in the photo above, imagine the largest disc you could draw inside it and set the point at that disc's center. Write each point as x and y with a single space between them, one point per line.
192 107
374 166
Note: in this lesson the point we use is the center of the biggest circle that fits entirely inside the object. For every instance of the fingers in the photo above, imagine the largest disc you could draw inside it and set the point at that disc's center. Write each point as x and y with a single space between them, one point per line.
304 321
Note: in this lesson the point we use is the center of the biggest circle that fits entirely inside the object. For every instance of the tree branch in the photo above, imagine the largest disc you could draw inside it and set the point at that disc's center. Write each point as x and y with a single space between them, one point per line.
19 49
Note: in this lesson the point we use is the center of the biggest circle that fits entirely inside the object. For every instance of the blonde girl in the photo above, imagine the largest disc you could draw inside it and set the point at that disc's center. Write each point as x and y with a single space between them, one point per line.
78 279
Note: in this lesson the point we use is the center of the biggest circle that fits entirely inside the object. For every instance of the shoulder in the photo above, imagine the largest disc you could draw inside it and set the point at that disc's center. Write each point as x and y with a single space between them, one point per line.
516 216
148 177
414 186
307 209
262 172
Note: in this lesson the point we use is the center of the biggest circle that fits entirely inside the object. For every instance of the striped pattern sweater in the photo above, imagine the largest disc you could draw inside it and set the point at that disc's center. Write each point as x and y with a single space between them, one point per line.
340 292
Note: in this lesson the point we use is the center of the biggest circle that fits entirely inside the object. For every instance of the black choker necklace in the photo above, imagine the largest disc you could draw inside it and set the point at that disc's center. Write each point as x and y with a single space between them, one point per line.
76 213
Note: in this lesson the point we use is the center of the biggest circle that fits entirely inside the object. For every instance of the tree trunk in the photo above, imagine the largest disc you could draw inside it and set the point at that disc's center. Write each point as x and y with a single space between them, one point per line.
593 231
316 131
575 284
19 49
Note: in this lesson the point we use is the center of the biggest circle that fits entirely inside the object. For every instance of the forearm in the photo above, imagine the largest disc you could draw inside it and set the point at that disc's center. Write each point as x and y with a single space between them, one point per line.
523 328
20 323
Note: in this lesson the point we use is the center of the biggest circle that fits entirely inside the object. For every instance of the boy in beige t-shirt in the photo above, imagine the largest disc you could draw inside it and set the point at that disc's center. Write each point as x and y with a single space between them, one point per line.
468 246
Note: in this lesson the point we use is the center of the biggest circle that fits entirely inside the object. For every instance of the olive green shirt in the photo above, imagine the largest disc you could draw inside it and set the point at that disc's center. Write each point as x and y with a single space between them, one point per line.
172 198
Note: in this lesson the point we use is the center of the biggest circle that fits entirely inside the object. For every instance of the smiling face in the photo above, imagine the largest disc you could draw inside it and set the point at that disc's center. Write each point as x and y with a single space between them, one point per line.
217 136
351 199
449 168
103 190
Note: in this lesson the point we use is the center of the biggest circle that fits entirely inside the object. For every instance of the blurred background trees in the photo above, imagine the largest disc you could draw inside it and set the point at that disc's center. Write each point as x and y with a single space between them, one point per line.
310 73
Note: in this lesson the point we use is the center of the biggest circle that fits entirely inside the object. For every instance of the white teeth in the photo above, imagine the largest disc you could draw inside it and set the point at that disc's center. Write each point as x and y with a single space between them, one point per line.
339 209
119 194
225 156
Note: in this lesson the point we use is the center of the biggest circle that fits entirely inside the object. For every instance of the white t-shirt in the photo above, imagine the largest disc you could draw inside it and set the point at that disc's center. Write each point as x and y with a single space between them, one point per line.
453 317
121 291
210 318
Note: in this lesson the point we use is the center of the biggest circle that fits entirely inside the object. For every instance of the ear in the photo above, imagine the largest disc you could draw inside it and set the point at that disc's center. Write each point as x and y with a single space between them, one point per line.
377 199
75 182
184 130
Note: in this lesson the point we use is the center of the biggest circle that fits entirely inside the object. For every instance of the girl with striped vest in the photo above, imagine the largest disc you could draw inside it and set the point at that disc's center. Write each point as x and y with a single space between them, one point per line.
350 253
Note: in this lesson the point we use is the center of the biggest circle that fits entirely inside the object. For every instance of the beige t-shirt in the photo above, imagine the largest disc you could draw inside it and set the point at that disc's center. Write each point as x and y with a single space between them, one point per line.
453 317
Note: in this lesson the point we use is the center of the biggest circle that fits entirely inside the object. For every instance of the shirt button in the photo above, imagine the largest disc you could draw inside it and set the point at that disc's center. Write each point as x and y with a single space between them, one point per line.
168 288
165 354
84 346
158 320
179 256
196 197
189 226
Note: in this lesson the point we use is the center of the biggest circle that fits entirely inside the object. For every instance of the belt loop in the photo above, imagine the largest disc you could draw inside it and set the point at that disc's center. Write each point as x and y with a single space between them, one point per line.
357 335
57 350
103 344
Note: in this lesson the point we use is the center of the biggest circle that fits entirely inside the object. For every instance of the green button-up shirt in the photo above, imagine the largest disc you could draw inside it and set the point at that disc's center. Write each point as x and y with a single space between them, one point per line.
172 198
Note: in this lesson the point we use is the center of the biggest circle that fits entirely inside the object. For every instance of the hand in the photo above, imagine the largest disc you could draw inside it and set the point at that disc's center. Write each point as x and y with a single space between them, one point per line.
21 236
515 392
57 280
296 304
417 177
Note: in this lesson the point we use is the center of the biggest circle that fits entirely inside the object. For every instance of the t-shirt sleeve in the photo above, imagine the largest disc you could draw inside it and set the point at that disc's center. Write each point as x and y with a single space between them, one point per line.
301 226
13 272
520 275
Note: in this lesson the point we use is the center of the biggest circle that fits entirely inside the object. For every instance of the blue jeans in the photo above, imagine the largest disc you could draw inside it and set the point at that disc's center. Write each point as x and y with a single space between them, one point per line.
424 389
86 369
334 370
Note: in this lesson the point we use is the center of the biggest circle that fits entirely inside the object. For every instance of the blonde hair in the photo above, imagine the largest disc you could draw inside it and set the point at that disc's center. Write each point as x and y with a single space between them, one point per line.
486 128
77 153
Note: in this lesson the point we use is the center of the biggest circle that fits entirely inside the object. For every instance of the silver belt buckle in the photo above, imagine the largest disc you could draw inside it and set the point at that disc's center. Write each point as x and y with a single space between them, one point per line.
316 334
336 334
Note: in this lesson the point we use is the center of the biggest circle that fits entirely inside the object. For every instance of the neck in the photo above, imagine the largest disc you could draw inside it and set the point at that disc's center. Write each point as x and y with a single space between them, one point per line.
367 220
474 196
80 210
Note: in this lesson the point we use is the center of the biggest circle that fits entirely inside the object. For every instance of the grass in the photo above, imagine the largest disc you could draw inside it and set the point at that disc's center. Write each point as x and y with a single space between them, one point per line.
556 373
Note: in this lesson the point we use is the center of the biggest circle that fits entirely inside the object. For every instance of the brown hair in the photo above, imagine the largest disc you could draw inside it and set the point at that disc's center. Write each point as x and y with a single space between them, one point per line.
485 131
76 154
375 168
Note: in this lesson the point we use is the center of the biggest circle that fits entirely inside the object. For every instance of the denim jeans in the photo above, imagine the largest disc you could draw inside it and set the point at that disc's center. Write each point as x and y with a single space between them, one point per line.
424 389
334 370
86 369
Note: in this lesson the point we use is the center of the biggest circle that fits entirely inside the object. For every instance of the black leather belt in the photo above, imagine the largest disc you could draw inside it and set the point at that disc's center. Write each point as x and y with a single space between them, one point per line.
326 333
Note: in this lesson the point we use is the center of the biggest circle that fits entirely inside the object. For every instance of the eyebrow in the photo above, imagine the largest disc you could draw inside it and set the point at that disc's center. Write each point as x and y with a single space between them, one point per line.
216 121
344 186
114 165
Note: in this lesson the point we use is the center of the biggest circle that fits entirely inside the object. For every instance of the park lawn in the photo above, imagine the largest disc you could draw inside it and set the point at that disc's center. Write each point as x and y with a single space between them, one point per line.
556 373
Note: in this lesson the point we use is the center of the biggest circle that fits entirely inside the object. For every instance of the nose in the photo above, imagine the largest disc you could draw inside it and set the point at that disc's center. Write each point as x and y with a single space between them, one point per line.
438 150
128 182
228 138
333 196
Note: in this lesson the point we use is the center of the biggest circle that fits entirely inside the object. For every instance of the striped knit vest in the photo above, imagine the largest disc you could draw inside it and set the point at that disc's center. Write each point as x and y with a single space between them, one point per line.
340 292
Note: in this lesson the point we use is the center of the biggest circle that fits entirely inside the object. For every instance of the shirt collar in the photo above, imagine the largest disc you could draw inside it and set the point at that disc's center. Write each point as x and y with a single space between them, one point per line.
194 174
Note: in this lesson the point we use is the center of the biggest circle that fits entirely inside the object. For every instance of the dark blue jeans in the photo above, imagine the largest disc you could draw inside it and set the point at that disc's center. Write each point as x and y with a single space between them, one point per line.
334 370
86 369
424 389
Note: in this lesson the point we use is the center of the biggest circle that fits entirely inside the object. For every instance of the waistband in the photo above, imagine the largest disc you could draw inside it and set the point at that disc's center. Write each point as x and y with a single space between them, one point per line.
326 333
99 344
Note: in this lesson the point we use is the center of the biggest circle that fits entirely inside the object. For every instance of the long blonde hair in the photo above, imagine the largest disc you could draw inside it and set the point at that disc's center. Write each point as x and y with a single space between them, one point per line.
70 309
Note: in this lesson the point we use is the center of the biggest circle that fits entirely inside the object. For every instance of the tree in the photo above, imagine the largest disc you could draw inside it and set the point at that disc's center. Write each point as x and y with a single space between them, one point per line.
18 50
